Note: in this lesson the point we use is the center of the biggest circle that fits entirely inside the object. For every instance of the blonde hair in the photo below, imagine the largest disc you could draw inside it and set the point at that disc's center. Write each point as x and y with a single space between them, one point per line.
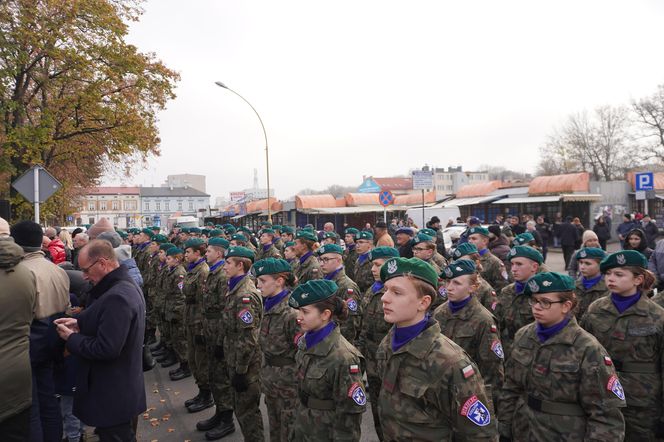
66 239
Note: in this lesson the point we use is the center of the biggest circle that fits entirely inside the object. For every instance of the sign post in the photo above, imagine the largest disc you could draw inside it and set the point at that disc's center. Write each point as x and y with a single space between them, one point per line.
386 198
644 181
422 180
36 185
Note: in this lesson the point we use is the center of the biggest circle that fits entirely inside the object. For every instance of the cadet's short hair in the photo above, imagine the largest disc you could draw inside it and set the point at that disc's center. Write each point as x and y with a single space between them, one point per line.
423 288
246 262
311 245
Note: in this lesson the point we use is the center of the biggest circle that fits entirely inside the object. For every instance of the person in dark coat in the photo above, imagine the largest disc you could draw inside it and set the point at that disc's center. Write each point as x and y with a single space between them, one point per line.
651 230
108 338
545 232
603 231
569 237
624 228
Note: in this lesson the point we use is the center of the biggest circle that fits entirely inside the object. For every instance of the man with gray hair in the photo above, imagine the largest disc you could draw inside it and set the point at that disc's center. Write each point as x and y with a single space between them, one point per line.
108 338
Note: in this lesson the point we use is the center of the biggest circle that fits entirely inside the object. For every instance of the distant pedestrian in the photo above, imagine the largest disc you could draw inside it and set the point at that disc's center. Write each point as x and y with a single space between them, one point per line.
624 228
651 230
569 236
603 231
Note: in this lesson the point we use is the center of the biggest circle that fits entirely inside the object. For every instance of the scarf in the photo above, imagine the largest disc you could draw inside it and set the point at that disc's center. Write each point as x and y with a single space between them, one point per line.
519 286
403 335
330 276
314 337
216 266
305 257
193 265
234 281
587 283
377 287
622 303
362 258
544 333
274 300
456 306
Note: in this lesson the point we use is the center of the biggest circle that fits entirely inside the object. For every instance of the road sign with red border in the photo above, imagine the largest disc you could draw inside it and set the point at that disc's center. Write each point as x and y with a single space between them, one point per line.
386 198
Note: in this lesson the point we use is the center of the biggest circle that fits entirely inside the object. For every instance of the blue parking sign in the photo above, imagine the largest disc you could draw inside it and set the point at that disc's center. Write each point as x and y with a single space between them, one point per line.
644 181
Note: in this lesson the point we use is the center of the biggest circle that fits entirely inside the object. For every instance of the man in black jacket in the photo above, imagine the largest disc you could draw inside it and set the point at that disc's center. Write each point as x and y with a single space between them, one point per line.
569 235
651 230
108 337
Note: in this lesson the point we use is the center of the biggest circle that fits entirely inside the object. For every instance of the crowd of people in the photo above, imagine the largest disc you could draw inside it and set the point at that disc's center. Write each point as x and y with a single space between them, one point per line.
479 342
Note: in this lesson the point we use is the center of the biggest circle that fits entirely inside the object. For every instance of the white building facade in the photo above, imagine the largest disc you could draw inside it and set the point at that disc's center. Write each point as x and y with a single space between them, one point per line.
159 203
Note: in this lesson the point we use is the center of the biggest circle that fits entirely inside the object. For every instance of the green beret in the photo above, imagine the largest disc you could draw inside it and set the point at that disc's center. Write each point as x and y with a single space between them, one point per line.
467 248
230 230
277 227
238 237
329 248
194 230
193 243
209 223
332 235
306 234
523 238
219 226
122 234
215 232
421 237
289 244
364 234
148 232
549 282
268 231
266 224
174 251
287 229
205 232
165 246
309 227
219 242
227 226
429 232
383 252
409 266
160 239
239 252
481 230
525 252
270 266
591 253
244 229
184 230
157 228
351 231
312 292
624 258
176 226
458 268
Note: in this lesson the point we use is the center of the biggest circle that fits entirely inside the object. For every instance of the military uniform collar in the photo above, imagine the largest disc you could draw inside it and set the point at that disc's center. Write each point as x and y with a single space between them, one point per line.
325 346
278 308
468 310
566 336
421 345
241 285
641 308
599 287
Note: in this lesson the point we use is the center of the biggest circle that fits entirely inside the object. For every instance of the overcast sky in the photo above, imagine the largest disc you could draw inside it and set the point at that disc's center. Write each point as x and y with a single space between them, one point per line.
353 88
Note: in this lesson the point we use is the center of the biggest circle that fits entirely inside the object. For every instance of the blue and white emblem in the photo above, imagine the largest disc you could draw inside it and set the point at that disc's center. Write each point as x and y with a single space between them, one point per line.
616 387
356 393
246 316
497 348
476 411
352 304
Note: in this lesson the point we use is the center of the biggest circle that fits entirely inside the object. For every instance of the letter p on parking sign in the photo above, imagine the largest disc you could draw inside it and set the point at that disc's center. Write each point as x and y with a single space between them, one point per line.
645 181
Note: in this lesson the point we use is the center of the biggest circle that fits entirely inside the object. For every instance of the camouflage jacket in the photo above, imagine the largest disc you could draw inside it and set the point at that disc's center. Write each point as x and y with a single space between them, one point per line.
635 342
493 271
243 313
374 328
432 391
271 252
308 270
512 312
150 274
279 335
363 276
350 259
487 295
440 260
474 329
141 258
572 376
658 298
172 286
349 292
588 296
331 391
159 274
194 284
214 296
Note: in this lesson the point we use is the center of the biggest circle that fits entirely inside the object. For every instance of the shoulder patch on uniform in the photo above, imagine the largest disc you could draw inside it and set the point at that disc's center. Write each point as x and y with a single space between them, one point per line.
180 285
476 412
494 329
246 316
467 371
352 304
354 369
356 393
246 300
350 291
494 304
497 348
615 387
607 361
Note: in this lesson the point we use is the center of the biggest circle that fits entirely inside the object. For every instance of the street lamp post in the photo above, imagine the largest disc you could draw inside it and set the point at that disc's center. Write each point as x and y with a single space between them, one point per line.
267 156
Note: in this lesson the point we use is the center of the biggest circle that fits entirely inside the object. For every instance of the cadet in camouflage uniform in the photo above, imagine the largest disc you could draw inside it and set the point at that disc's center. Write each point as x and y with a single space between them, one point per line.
374 328
363 276
243 312
289 255
329 238
307 264
527 239
249 236
560 383
493 269
287 235
149 274
659 298
164 349
590 286
214 296
439 259
485 293
279 333
432 390
174 306
278 243
143 241
513 310
424 247
239 239
330 257
465 321
267 247
631 328
329 368
350 254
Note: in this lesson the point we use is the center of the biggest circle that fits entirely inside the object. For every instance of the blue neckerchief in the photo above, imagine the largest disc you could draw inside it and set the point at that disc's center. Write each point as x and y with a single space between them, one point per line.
289 260
351 247
234 281
403 335
154 254
314 337
544 333
483 252
519 286
587 283
330 276
377 287
305 257
622 303
170 269
274 300
274 241
161 265
144 245
193 265
456 306
216 266
363 257
266 247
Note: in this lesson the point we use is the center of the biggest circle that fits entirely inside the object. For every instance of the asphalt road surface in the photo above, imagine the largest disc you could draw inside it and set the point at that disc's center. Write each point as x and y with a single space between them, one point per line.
167 420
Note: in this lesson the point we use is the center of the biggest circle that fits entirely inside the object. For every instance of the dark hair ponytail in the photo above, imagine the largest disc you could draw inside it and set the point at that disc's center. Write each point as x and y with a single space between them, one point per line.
336 305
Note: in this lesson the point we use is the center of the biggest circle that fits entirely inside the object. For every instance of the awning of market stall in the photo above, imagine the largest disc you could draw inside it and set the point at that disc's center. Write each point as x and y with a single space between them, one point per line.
458 202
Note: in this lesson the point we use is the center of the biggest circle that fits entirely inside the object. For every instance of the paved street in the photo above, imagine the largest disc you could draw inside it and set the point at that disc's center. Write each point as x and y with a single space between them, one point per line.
168 420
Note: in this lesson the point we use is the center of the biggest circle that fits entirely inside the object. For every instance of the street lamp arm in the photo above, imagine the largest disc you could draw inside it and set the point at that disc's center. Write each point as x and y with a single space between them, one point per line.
220 84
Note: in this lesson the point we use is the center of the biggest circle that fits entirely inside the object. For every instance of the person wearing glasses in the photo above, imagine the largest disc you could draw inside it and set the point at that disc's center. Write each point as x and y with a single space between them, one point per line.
330 258
631 327
560 382
424 247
